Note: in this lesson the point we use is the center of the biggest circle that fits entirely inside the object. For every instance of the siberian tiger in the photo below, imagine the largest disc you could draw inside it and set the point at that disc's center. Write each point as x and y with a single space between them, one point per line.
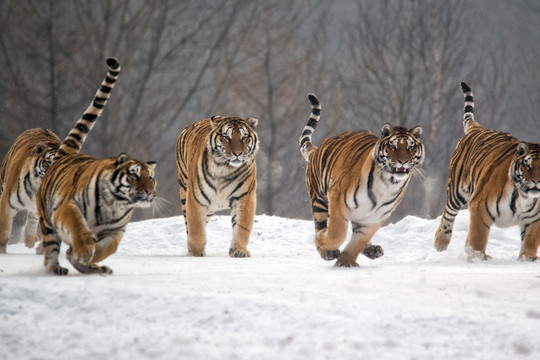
356 176
20 175
499 178
215 162
86 202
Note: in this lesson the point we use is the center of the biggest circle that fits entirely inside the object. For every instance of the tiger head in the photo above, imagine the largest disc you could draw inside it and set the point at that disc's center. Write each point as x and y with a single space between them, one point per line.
233 141
525 169
133 182
44 154
399 150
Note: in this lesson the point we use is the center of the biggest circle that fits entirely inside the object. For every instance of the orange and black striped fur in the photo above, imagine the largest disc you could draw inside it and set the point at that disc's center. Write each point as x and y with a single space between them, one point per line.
20 176
498 177
87 202
358 177
215 162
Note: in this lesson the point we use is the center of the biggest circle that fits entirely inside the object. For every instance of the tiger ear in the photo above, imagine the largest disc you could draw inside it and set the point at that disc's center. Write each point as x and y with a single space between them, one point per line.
40 147
417 131
151 165
386 130
522 149
213 121
252 122
122 158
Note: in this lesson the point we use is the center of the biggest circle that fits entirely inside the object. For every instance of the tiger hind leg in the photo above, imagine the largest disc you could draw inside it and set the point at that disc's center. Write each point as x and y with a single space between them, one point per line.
86 268
329 239
51 248
479 227
454 202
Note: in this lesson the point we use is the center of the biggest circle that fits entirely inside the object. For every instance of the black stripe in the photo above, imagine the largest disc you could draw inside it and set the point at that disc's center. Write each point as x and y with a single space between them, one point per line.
469 108
82 128
316 112
469 98
89 117
105 89
371 195
319 225
312 122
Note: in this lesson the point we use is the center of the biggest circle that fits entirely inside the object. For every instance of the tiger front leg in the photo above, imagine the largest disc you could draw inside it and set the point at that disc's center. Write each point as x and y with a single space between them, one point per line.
360 238
530 241
6 220
76 232
30 230
242 218
195 226
86 268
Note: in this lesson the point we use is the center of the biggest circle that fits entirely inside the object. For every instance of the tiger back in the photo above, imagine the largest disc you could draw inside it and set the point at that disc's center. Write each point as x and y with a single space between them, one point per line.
498 177
22 169
359 177
216 169
87 202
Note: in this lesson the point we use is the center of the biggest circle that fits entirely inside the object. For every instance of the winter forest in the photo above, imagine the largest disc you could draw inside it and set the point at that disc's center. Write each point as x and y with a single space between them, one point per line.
369 62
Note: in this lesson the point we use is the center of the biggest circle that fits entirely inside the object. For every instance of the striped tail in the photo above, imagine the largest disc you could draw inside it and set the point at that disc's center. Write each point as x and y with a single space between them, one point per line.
306 146
469 106
76 137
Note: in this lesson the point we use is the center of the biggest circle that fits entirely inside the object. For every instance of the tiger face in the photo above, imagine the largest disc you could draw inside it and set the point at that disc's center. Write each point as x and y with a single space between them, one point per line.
44 156
233 141
399 150
525 170
133 181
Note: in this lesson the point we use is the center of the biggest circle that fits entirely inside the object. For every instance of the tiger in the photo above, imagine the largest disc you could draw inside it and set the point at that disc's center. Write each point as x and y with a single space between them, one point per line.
359 177
498 177
20 176
215 162
87 202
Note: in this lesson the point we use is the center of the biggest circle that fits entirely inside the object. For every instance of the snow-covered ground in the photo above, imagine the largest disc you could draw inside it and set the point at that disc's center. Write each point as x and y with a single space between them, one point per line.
284 302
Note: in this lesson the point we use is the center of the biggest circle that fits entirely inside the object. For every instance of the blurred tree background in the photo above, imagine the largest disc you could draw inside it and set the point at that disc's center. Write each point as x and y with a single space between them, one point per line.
369 62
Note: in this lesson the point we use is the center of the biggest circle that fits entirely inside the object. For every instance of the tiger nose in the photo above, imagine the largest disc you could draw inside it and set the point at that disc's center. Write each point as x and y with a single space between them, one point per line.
237 153
403 162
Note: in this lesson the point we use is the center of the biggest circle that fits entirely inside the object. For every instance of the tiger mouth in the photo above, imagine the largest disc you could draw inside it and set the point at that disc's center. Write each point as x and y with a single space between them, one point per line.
401 170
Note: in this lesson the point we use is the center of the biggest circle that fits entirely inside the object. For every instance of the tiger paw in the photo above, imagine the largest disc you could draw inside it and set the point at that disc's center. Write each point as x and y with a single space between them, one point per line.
473 255
39 249
239 253
30 241
197 253
441 241
96 269
373 251
343 263
524 258
83 251
57 270
329 254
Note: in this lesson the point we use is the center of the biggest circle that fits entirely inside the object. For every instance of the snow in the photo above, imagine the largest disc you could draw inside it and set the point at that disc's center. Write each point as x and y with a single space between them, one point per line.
283 302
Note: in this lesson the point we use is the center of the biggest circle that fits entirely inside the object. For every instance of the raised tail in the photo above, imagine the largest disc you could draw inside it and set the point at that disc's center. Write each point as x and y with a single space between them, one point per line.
468 116
76 137
306 146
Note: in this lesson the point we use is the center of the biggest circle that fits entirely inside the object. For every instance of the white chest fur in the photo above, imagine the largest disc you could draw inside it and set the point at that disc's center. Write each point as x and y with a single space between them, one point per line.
374 201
